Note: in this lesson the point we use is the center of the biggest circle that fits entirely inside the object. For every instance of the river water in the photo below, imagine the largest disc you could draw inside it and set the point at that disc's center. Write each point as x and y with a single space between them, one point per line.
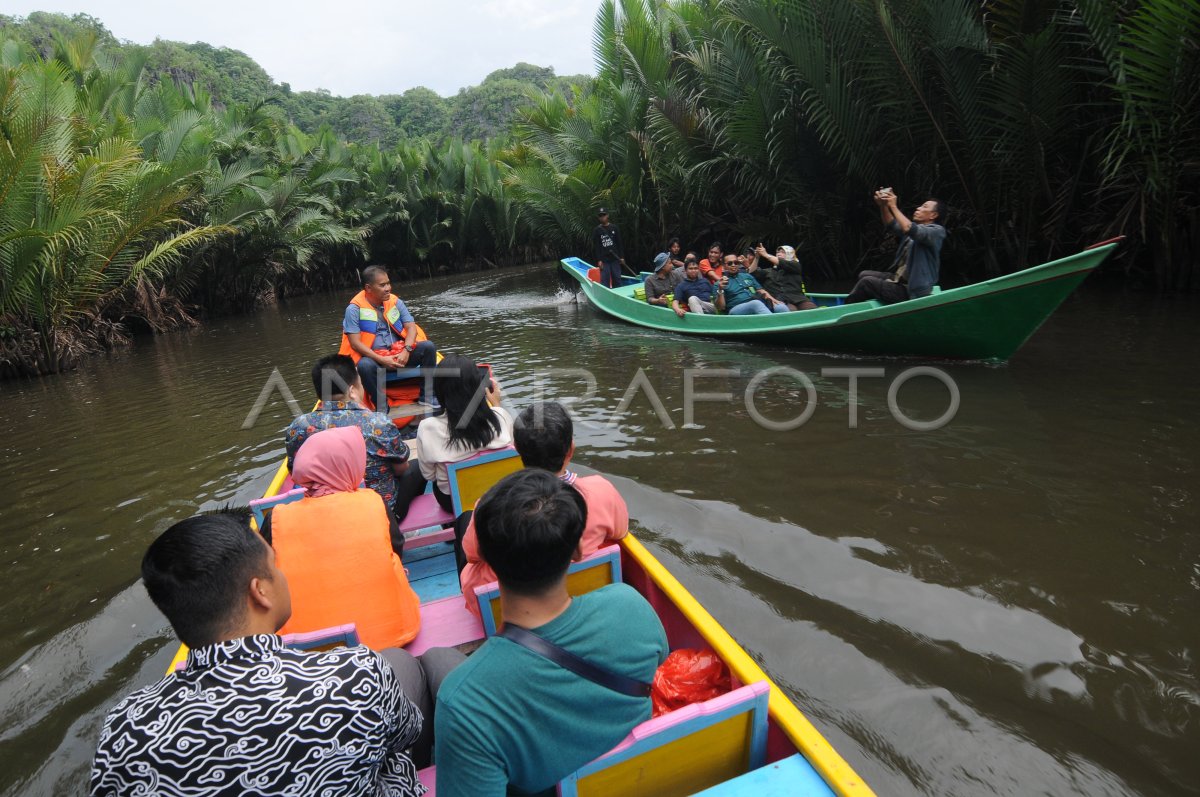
1005 605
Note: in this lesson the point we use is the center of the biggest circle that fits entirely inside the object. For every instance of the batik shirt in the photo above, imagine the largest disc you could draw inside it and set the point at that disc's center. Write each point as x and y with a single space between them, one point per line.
384 445
248 716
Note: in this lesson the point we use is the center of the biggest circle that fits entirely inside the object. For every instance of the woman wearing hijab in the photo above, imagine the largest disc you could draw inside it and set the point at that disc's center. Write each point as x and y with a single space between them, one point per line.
334 545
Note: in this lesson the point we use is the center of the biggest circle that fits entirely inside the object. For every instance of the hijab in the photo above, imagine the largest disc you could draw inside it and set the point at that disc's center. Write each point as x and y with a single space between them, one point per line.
332 461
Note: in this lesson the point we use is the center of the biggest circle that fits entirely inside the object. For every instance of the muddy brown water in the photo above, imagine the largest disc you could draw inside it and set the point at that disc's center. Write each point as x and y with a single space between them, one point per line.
1005 605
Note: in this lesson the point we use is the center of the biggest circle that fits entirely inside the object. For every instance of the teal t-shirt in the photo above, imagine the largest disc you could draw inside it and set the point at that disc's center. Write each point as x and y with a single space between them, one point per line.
508 717
741 288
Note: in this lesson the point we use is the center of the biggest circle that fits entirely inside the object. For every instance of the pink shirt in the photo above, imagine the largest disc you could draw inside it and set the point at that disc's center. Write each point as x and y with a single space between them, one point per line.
607 522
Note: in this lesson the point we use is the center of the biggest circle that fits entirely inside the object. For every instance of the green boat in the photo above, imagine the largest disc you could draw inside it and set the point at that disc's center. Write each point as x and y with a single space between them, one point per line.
985 321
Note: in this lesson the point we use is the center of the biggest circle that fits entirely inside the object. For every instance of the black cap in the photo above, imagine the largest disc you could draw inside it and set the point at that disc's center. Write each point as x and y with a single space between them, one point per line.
602 212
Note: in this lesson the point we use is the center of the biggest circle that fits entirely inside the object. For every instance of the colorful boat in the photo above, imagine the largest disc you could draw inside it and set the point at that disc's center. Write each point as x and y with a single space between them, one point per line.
985 321
752 740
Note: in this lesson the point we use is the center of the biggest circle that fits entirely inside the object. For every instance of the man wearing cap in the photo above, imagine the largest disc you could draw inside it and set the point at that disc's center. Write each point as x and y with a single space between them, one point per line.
606 242
781 275
660 285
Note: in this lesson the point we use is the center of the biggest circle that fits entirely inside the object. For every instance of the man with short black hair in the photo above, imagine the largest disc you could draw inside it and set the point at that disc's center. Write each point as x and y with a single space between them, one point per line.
544 436
339 388
713 266
246 715
610 256
694 293
918 259
380 334
512 718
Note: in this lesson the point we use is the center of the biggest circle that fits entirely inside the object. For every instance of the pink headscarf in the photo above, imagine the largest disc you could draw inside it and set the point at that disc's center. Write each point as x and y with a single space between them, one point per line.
332 461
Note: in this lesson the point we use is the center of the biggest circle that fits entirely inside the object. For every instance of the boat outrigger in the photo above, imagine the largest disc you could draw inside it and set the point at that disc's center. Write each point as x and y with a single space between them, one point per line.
988 320
750 741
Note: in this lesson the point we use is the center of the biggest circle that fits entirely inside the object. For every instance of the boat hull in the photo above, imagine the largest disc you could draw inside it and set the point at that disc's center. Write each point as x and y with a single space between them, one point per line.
986 321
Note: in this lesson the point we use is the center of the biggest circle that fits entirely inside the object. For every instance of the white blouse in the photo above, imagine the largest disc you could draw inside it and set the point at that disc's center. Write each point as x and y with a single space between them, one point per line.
435 451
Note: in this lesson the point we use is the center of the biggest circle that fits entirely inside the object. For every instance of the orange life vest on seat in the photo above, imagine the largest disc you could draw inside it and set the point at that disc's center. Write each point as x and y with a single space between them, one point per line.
368 321
337 555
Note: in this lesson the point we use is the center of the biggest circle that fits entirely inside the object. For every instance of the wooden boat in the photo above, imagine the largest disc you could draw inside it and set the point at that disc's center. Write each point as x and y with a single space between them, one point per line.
751 741
986 321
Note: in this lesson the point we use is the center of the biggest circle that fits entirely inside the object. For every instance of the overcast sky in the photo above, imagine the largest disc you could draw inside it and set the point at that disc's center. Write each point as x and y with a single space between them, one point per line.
361 46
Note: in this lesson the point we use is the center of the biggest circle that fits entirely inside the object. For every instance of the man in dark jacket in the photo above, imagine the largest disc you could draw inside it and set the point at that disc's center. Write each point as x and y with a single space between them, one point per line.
780 274
606 242
914 272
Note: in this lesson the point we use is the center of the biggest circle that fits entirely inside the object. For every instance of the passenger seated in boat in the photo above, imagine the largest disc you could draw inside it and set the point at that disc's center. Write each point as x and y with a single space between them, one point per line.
544 437
675 252
340 391
337 549
781 275
380 334
711 267
918 259
473 421
510 717
246 715
694 293
738 293
661 284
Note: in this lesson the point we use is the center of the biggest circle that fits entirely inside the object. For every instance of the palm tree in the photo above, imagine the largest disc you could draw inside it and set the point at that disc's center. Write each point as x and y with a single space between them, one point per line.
81 219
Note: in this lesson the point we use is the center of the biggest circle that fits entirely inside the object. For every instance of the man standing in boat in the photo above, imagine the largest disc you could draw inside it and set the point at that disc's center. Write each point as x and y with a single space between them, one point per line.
606 242
380 335
915 269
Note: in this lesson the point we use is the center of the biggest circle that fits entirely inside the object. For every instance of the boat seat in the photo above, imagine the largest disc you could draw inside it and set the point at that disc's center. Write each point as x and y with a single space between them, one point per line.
469 480
601 568
260 506
474 476
424 512
682 752
324 638
788 777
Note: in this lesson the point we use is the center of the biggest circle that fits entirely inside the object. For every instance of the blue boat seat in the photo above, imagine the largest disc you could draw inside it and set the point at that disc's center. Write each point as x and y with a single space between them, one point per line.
260 506
788 777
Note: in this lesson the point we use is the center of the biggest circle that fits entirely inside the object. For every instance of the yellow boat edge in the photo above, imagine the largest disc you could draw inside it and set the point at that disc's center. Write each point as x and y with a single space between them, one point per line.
838 774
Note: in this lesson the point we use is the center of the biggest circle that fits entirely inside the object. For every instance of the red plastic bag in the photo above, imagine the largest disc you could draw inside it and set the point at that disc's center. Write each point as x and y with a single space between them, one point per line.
688 676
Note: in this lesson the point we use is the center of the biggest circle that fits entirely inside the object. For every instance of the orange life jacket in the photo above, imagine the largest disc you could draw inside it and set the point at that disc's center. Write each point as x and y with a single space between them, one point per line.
337 555
368 322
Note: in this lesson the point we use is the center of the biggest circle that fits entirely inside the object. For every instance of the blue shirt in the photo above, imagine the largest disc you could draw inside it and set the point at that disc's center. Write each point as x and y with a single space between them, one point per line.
384 445
741 288
700 287
384 337
509 716
924 253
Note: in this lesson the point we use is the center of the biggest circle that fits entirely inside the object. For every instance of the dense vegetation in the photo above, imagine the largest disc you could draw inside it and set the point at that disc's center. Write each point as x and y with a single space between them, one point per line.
1046 124
144 185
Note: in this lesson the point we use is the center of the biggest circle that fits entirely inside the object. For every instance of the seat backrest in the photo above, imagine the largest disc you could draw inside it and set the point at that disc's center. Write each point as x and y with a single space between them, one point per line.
601 568
260 506
474 476
323 639
682 752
